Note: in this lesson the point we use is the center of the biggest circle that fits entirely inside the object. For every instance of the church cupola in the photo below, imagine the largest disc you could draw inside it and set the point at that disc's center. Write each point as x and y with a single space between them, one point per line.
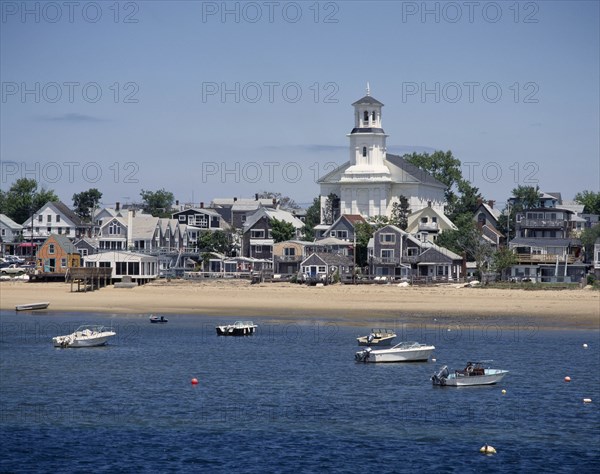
367 114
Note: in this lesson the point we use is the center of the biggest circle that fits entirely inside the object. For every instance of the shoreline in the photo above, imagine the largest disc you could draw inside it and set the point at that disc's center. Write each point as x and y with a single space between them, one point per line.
362 304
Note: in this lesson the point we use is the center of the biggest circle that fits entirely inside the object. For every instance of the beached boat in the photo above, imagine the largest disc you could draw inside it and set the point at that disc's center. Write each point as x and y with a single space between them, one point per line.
473 374
239 328
158 319
403 352
377 337
85 336
32 306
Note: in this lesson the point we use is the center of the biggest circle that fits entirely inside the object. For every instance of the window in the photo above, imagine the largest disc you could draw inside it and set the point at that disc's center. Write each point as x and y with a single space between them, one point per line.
51 248
424 220
114 229
289 251
434 220
40 218
333 233
63 262
342 234
387 253
60 230
366 117
57 218
387 238
373 116
257 234
49 218
258 248
182 218
67 230
322 269
37 230
364 151
3 233
83 252
49 230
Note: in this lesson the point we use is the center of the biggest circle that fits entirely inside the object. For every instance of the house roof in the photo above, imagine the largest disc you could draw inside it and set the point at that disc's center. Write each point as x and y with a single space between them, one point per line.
495 213
331 241
229 202
441 250
64 242
8 222
270 214
367 100
66 211
94 243
327 259
409 168
437 254
143 227
415 216
200 210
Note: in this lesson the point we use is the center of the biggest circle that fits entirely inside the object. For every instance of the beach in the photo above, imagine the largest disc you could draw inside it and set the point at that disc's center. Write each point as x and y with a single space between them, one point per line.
360 304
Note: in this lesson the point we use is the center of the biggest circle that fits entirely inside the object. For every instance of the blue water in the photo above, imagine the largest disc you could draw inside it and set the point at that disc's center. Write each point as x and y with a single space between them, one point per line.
290 399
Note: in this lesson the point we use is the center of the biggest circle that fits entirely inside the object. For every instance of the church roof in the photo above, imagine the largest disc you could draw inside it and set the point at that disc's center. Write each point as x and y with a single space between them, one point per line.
413 170
367 100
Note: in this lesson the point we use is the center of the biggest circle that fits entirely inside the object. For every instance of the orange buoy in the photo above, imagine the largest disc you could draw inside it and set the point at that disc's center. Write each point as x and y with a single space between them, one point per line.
194 381
567 379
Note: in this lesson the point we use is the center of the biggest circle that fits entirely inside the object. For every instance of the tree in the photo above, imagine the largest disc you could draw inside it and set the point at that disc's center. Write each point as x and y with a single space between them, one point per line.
588 238
313 218
363 232
523 197
467 239
282 230
400 213
285 202
467 200
218 241
502 260
86 202
23 199
331 209
158 203
590 201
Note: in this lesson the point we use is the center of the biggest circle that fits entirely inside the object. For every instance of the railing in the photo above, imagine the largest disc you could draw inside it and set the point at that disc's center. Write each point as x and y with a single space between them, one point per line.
395 260
547 258
428 227
546 223
288 258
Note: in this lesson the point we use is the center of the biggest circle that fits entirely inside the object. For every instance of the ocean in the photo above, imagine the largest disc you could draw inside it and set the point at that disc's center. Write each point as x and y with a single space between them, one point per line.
291 398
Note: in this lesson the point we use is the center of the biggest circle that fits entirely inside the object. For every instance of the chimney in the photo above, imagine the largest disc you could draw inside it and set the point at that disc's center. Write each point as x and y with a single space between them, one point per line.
177 202
201 205
274 202
479 202
130 216
117 206
428 203
491 203
234 199
256 197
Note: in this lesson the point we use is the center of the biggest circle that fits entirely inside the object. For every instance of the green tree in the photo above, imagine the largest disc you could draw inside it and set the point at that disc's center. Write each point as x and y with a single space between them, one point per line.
443 166
313 218
218 241
467 200
285 202
588 238
282 230
502 260
400 213
523 197
158 203
86 202
23 199
467 239
331 209
364 232
590 201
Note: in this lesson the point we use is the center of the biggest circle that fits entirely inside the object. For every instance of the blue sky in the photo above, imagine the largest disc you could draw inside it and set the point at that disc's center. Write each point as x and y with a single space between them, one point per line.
218 99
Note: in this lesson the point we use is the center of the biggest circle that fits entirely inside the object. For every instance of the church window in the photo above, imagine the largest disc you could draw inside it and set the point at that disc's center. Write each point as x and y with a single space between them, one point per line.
366 117
373 116
364 151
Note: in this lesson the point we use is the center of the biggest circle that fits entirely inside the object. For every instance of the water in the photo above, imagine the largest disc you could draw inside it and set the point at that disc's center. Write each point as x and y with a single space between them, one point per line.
290 399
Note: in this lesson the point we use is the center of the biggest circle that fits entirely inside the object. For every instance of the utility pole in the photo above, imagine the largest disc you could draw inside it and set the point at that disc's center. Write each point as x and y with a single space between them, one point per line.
354 256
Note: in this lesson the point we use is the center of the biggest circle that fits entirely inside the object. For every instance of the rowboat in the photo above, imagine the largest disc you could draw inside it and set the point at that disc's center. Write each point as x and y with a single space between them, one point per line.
32 306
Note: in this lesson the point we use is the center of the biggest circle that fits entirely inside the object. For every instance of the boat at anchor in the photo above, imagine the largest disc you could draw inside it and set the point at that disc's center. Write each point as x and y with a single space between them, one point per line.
473 374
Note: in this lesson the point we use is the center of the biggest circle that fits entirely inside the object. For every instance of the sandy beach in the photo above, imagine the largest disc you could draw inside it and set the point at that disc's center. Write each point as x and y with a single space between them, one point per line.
576 309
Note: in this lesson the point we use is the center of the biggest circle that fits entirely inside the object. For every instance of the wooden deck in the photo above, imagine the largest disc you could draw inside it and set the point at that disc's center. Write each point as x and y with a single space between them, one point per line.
90 278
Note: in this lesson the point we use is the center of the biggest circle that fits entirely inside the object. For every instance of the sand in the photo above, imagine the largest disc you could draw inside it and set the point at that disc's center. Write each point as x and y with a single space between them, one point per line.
361 304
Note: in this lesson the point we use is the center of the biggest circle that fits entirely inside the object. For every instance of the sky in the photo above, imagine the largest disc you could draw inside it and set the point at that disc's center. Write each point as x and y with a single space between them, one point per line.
223 99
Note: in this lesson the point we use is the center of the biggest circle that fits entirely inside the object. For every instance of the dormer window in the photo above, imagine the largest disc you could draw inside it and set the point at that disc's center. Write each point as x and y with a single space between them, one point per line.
365 151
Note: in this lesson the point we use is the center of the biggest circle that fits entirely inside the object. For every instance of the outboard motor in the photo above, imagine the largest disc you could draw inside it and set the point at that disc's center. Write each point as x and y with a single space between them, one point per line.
441 376
363 356
370 338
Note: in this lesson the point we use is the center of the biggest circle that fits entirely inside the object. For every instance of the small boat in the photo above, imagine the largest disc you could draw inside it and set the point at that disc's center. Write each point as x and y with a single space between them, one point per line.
32 306
239 328
158 319
473 374
85 336
377 337
403 352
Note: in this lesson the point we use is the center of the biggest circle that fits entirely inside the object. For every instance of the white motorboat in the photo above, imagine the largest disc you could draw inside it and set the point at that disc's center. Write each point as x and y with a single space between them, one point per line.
377 337
239 328
403 352
32 306
85 336
473 374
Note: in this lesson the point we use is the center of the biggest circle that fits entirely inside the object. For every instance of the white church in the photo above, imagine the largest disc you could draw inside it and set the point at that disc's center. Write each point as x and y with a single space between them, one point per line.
371 182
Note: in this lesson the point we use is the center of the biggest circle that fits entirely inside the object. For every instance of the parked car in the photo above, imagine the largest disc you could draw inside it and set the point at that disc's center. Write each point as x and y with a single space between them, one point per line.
12 269
14 259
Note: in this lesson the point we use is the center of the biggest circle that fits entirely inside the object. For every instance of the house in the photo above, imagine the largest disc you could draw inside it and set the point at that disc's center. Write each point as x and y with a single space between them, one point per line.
257 241
57 254
544 247
141 268
372 181
486 217
343 227
87 246
428 223
11 234
55 218
202 218
398 254
235 210
326 267
288 255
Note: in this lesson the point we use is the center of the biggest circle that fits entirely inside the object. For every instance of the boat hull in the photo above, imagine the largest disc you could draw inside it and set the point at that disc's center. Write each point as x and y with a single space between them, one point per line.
83 339
383 341
418 354
460 379
229 331
31 306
